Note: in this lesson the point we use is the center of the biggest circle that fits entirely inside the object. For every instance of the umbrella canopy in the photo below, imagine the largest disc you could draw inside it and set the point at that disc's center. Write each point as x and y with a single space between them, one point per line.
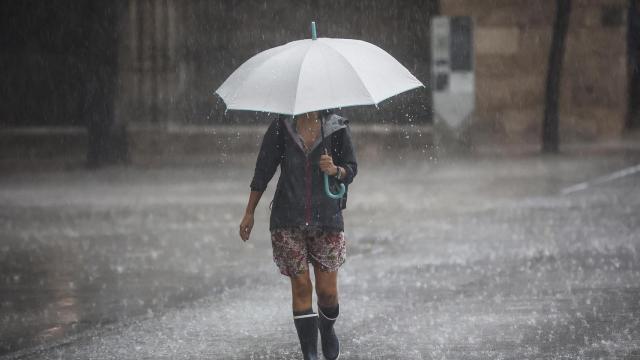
316 74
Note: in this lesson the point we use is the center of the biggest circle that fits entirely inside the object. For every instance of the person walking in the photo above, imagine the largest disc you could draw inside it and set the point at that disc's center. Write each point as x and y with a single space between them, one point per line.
306 224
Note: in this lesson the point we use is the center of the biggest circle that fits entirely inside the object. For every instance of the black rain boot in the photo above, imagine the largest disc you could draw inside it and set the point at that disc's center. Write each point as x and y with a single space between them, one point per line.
307 327
330 343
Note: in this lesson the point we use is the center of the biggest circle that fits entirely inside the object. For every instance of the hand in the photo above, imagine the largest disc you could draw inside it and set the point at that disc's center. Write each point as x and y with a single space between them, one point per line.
327 165
245 226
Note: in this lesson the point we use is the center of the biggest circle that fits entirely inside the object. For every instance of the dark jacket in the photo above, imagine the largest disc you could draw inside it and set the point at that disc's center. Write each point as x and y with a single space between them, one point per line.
299 199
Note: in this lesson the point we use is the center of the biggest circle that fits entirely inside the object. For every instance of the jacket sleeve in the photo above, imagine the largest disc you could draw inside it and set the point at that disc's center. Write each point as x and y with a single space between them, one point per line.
347 158
269 157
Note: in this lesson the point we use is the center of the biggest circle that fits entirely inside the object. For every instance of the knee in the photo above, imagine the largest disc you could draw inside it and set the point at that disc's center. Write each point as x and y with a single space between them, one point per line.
302 289
327 296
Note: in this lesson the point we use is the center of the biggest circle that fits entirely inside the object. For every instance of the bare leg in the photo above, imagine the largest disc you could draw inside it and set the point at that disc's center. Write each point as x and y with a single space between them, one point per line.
305 320
327 288
327 291
301 291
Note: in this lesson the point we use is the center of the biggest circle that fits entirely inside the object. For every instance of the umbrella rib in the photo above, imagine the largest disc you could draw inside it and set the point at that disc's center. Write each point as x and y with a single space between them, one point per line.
246 76
329 76
354 70
256 68
295 97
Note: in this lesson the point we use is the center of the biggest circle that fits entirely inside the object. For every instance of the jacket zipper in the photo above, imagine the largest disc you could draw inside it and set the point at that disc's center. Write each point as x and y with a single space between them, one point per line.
308 192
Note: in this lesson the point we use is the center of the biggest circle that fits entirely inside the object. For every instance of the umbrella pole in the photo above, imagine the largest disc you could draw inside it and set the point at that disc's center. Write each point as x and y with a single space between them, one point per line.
326 177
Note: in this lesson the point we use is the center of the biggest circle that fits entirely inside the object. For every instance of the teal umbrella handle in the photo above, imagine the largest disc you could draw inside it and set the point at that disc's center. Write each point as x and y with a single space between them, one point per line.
329 193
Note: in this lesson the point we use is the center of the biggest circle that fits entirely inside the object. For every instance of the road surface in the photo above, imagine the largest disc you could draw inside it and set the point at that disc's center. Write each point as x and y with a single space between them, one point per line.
464 259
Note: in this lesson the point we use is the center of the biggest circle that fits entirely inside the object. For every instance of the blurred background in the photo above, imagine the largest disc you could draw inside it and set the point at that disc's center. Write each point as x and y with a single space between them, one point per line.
515 181
133 81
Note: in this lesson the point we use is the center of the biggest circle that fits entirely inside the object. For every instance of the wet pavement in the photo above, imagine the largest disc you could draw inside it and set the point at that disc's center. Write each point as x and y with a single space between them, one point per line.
464 259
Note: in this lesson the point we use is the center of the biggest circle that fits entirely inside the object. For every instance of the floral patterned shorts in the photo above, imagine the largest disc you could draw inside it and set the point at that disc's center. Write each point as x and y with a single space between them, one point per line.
294 248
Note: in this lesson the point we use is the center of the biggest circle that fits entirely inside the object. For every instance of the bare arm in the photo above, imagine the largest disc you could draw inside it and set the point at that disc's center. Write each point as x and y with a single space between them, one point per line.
269 157
247 221
254 199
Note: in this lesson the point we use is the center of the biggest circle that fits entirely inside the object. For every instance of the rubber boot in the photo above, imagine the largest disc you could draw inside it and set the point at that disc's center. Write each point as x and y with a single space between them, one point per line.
307 327
330 343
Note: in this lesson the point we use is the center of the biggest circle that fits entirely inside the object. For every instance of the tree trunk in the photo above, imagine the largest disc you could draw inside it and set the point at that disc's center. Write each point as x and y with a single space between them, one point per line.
550 126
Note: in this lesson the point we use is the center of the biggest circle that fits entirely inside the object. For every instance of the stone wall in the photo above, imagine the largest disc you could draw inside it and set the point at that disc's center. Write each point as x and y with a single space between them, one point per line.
512 42
594 87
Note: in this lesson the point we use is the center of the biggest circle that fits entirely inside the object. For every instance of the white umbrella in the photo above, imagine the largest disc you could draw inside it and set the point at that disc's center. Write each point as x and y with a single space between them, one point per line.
316 74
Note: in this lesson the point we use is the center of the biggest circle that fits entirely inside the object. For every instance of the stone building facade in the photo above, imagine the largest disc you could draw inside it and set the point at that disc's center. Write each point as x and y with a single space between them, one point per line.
173 54
512 42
